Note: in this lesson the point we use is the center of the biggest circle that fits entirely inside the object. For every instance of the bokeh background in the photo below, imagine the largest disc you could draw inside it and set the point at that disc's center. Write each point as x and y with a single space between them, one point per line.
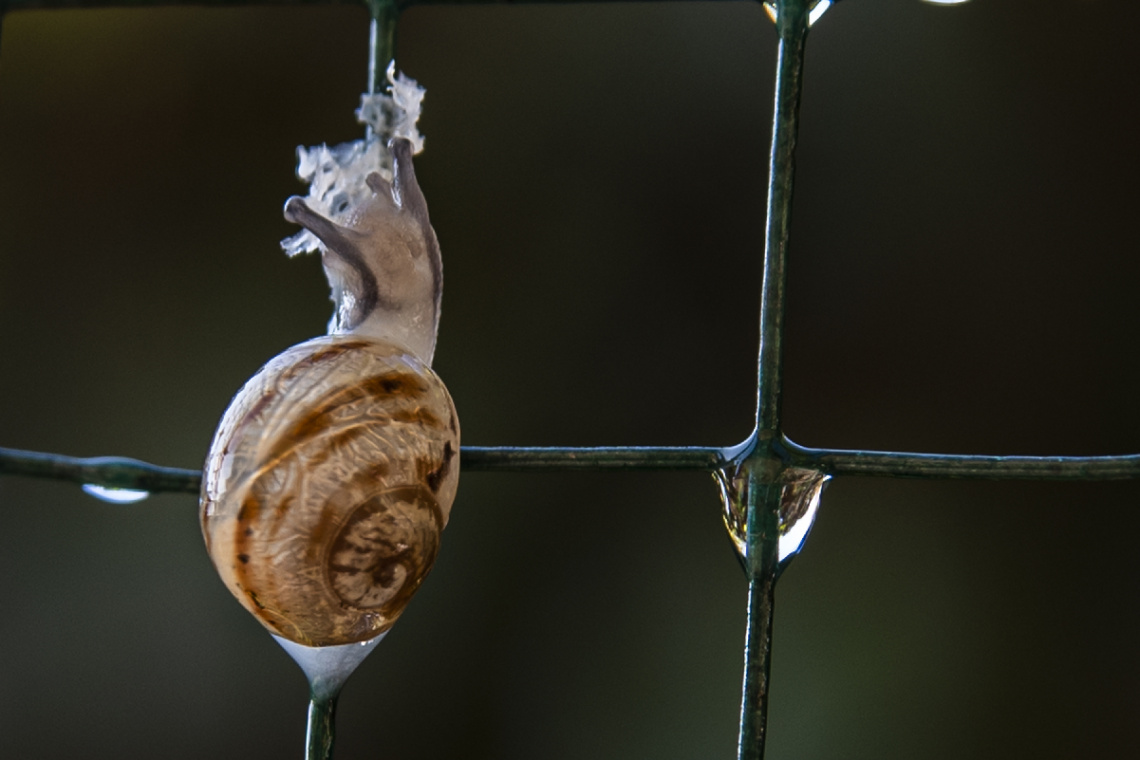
963 278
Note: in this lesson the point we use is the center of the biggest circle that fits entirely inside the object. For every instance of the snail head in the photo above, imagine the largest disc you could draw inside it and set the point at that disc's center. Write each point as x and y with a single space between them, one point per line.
383 263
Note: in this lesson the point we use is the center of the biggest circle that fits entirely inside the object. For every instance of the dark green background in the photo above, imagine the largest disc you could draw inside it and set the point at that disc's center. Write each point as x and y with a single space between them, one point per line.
963 278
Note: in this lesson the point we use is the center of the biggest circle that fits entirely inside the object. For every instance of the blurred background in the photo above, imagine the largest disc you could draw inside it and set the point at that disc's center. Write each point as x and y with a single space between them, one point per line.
962 279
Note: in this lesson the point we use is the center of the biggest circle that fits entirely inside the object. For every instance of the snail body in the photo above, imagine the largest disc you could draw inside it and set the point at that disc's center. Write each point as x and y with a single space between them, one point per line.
334 469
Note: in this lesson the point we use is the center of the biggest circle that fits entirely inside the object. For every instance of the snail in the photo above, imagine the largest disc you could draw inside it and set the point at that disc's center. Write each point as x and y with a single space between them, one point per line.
334 468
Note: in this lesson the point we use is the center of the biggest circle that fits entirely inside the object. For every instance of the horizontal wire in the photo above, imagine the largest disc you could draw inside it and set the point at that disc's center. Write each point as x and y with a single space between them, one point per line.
123 472
112 472
518 458
17 5
958 466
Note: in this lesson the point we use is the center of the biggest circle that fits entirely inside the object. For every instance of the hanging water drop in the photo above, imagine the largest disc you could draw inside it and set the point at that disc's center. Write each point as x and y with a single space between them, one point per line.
799 501
327 668
115 495
818 9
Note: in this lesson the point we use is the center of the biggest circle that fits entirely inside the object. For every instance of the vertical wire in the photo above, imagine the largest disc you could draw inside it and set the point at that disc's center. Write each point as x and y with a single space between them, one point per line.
381 40
320 732
373 36
381 45
763 489
762 561
792 26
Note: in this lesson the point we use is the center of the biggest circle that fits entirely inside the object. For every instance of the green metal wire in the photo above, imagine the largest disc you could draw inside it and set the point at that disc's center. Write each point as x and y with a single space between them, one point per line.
762 495
320 732
755 467
111 472
121 472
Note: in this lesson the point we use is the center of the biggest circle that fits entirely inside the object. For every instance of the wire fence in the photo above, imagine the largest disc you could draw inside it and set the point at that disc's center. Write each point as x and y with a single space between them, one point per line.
759 476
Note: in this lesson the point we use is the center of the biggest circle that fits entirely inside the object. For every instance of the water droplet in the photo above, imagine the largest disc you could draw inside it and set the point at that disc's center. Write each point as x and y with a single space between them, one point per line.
818 10
327 668
798 505
115 495
799 502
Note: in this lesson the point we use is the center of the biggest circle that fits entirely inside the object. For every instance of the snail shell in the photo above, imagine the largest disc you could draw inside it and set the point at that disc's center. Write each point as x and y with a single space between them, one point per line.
334 468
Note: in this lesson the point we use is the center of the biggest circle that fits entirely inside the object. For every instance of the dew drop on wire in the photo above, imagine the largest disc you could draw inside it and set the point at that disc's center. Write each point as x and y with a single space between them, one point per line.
816 11
115 495
798 506
801 489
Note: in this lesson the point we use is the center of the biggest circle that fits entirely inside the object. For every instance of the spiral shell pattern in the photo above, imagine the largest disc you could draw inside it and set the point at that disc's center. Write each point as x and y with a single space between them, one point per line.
327 485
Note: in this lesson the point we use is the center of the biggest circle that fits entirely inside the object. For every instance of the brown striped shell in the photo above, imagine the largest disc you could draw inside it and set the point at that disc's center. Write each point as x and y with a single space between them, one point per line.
333 470
327 485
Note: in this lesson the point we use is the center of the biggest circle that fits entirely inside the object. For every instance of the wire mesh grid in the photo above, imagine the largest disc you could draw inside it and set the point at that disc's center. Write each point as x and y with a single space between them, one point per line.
762 462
